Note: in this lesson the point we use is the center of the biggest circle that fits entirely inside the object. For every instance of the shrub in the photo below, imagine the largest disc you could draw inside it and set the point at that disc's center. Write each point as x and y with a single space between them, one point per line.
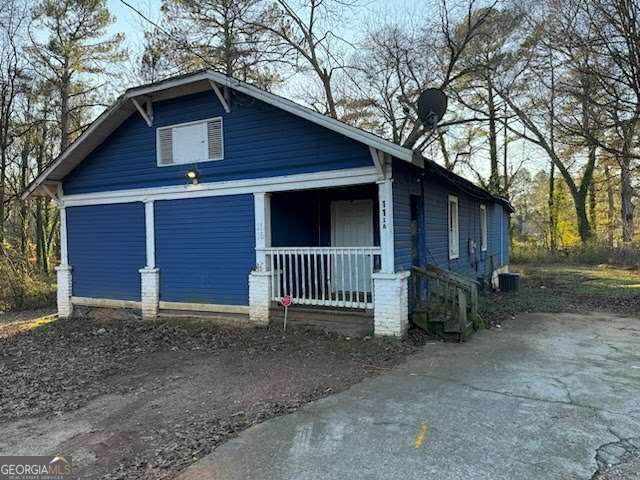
22 289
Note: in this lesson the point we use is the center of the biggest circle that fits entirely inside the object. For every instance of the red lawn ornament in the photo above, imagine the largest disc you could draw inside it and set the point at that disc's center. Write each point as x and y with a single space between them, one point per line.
286 302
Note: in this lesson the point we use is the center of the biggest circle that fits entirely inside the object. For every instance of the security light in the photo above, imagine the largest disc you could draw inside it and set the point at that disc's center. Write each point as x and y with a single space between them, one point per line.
193 176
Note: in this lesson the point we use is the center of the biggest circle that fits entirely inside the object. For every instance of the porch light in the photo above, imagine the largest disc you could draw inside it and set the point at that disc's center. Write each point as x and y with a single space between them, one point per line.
193 176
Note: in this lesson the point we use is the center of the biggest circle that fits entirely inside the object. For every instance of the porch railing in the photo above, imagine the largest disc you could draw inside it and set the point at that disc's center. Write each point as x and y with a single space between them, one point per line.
329 276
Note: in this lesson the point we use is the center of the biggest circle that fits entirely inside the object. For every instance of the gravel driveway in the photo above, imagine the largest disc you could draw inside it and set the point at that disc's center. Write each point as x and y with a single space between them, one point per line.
548 396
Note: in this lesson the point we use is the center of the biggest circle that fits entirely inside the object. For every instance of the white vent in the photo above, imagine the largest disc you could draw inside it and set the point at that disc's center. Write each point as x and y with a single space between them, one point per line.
191 142
165 146
215 139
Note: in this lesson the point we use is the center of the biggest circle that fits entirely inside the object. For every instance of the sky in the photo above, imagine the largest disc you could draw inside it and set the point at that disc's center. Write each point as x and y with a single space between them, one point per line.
132 25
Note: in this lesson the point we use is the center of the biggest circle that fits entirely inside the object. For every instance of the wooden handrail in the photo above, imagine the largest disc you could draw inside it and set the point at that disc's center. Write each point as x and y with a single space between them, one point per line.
445 296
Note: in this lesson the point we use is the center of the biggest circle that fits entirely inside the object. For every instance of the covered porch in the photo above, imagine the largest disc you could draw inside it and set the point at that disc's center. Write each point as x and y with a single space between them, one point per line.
325 246
331 251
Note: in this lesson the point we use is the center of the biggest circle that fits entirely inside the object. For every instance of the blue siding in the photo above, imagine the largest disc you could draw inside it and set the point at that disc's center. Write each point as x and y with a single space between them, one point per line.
205 249
303 218
106 249
471 264
406 182
435 241
259 141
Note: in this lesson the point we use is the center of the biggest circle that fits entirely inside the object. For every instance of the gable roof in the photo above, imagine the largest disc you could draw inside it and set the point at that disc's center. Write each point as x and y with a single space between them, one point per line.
201 81
196 82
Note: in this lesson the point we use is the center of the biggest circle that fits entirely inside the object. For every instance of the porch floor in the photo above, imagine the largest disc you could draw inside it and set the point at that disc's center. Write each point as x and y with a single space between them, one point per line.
351 323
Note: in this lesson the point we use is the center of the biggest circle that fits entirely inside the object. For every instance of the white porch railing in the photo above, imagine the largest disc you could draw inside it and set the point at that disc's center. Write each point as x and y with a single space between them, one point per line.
330 276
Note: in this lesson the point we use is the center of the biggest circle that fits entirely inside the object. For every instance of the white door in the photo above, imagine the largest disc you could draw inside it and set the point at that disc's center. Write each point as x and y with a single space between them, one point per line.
352 226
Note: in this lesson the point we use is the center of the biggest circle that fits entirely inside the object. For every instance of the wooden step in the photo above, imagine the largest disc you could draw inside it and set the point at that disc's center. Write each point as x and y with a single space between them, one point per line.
230 319
344 322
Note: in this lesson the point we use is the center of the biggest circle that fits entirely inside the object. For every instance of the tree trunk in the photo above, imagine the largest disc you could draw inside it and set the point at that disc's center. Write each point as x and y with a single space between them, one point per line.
65 93
445 152
494 178
610 208
505 188
626 205
553 219
326 84
24 214
593 201
584 227
626 187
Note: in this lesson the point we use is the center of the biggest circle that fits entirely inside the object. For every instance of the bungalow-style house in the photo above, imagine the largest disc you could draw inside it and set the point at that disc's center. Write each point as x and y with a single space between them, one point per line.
202 193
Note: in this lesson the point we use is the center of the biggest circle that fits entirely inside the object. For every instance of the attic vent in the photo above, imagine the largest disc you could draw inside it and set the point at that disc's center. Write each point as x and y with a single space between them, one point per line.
215 140
192 142
165 141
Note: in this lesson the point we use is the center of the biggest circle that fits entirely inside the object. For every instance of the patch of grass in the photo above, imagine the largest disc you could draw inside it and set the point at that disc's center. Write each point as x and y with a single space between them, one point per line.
13 328
592 253
566 288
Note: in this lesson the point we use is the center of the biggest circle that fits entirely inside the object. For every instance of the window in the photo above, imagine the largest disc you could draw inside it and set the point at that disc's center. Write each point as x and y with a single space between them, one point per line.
483 227
191 142
454 228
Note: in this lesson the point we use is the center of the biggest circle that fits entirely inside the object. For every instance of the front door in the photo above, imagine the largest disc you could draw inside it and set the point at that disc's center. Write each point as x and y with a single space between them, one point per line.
352 226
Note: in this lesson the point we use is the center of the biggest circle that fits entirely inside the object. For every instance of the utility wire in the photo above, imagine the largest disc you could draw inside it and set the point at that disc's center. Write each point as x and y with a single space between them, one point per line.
183 44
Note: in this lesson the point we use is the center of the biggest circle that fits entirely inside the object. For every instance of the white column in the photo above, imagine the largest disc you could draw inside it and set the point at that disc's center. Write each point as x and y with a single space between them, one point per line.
262 203
150 233
260 278
64 253
63 271
391 303
385 200
390 289
150 275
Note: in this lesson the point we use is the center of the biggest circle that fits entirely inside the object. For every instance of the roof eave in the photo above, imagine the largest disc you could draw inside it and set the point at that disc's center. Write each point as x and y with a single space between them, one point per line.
354 133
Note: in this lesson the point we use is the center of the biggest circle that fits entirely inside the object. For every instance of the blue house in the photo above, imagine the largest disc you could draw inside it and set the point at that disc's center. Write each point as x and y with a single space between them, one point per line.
201 193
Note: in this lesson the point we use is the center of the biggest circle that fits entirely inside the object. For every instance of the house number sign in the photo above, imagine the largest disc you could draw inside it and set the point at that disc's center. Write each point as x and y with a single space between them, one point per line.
384 214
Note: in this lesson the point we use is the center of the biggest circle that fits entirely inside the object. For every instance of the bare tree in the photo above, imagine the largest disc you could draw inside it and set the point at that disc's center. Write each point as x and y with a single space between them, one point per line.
604 42
307 34
12 21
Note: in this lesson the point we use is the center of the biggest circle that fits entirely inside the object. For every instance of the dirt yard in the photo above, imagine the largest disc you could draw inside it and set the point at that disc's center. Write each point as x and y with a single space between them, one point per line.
131 399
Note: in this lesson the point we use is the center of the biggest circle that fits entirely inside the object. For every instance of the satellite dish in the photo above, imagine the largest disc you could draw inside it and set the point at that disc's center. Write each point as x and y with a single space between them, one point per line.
432 105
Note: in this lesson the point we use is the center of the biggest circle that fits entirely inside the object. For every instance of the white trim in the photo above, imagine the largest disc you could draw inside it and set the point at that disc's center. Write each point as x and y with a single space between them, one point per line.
150 235
262 205
105 302
331 178
282 103
204 307
220 96
385 200
484 237
64 255
454 253
147 114
378 160
184 124
53 191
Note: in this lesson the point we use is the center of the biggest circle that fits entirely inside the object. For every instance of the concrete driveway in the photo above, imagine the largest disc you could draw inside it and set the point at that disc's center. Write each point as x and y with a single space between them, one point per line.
546 397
